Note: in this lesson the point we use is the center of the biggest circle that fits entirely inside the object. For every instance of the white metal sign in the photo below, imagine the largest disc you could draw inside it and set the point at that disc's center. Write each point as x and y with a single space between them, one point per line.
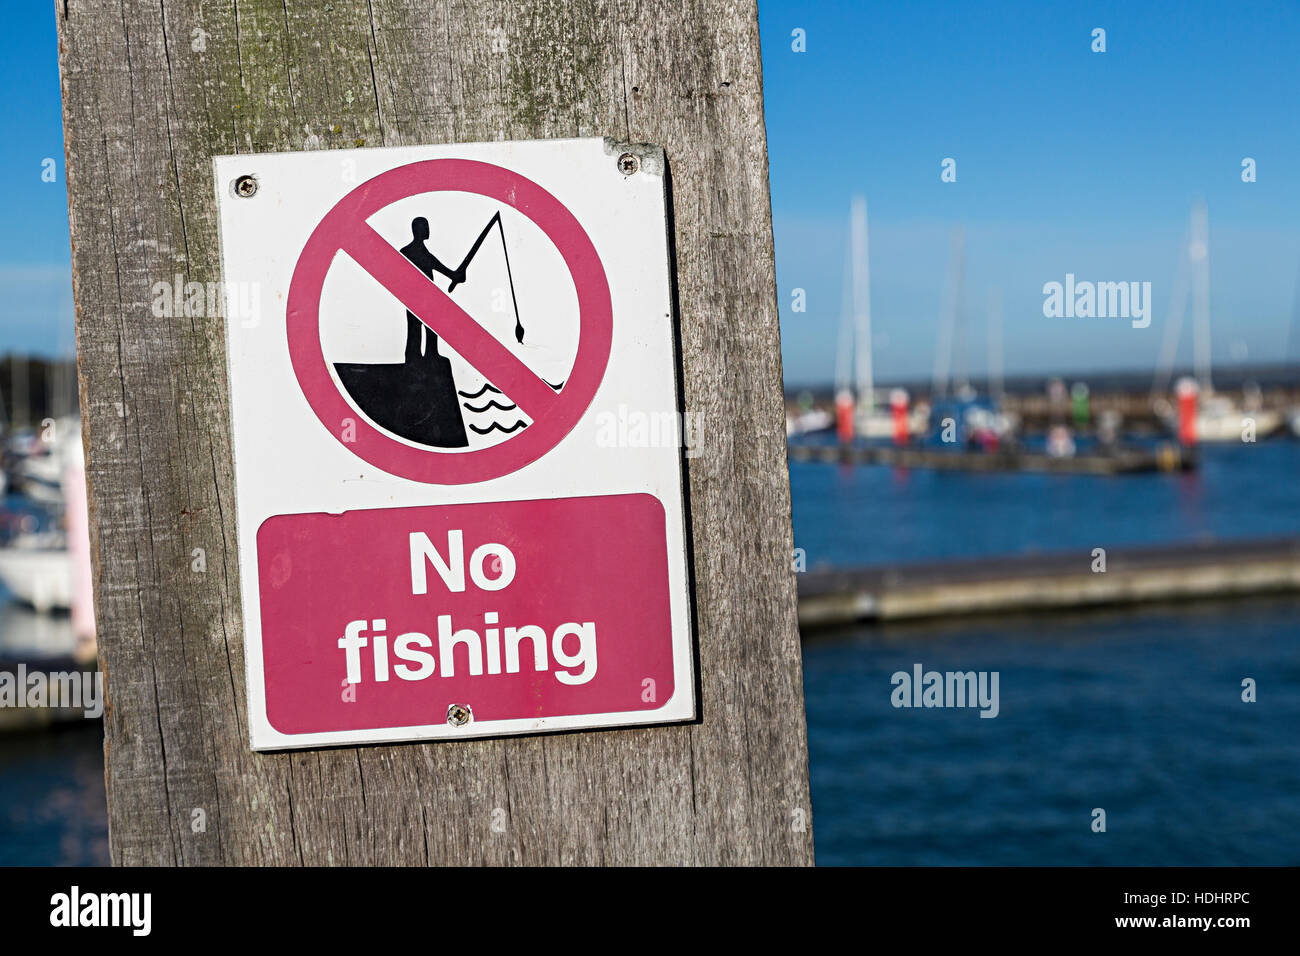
458 452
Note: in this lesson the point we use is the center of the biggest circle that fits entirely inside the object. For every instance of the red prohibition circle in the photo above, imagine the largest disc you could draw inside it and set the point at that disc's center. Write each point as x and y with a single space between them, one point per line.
344 228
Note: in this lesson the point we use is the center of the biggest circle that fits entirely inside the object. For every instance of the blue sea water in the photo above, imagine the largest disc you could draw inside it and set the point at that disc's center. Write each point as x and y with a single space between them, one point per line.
53 810
1137 712
877 515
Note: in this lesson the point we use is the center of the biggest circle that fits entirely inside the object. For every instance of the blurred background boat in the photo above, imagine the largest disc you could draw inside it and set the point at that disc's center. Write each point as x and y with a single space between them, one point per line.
36 569
47 477
1217 417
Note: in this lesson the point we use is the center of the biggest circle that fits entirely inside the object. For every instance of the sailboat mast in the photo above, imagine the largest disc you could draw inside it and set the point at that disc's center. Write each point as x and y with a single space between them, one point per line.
1199 252
843 351
995 346
863 373
961 360
1174 323
948 320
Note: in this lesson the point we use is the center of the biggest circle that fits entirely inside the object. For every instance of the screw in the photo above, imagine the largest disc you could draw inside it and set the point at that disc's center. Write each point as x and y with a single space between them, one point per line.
458 715
628 164
246 186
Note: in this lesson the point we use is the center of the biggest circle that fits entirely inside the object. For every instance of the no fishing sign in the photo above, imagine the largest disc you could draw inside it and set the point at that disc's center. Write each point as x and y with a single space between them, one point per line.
446 527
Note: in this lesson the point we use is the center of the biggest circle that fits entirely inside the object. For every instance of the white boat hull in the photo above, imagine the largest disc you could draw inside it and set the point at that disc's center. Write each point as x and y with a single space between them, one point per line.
1230 427
41 578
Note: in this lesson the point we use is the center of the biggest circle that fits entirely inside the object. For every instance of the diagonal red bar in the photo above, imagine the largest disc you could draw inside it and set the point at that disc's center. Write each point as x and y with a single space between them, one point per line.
449 321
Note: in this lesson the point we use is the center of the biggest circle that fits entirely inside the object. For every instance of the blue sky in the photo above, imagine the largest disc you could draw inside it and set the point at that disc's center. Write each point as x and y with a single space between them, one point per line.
1067 161
35 281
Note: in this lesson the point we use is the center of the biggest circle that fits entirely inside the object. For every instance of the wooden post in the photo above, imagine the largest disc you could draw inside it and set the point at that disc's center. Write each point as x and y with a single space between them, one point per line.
151 93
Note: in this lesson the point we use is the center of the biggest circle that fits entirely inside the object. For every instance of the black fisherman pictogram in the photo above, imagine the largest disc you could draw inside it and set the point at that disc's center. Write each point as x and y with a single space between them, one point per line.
418 398
420 339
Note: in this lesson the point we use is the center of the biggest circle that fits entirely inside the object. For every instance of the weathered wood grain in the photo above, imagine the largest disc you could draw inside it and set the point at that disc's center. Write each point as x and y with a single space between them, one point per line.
151 92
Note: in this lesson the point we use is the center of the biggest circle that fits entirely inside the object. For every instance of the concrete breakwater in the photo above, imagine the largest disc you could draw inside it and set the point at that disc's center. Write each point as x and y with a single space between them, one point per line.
1116 576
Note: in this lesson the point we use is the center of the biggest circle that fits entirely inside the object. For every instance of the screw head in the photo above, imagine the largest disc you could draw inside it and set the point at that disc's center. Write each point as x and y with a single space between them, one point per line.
458 715
246 186
628 164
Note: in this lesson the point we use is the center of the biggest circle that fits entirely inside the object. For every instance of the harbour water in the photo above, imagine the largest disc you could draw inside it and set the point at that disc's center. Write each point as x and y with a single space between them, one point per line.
53 811
882 515
1137 712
